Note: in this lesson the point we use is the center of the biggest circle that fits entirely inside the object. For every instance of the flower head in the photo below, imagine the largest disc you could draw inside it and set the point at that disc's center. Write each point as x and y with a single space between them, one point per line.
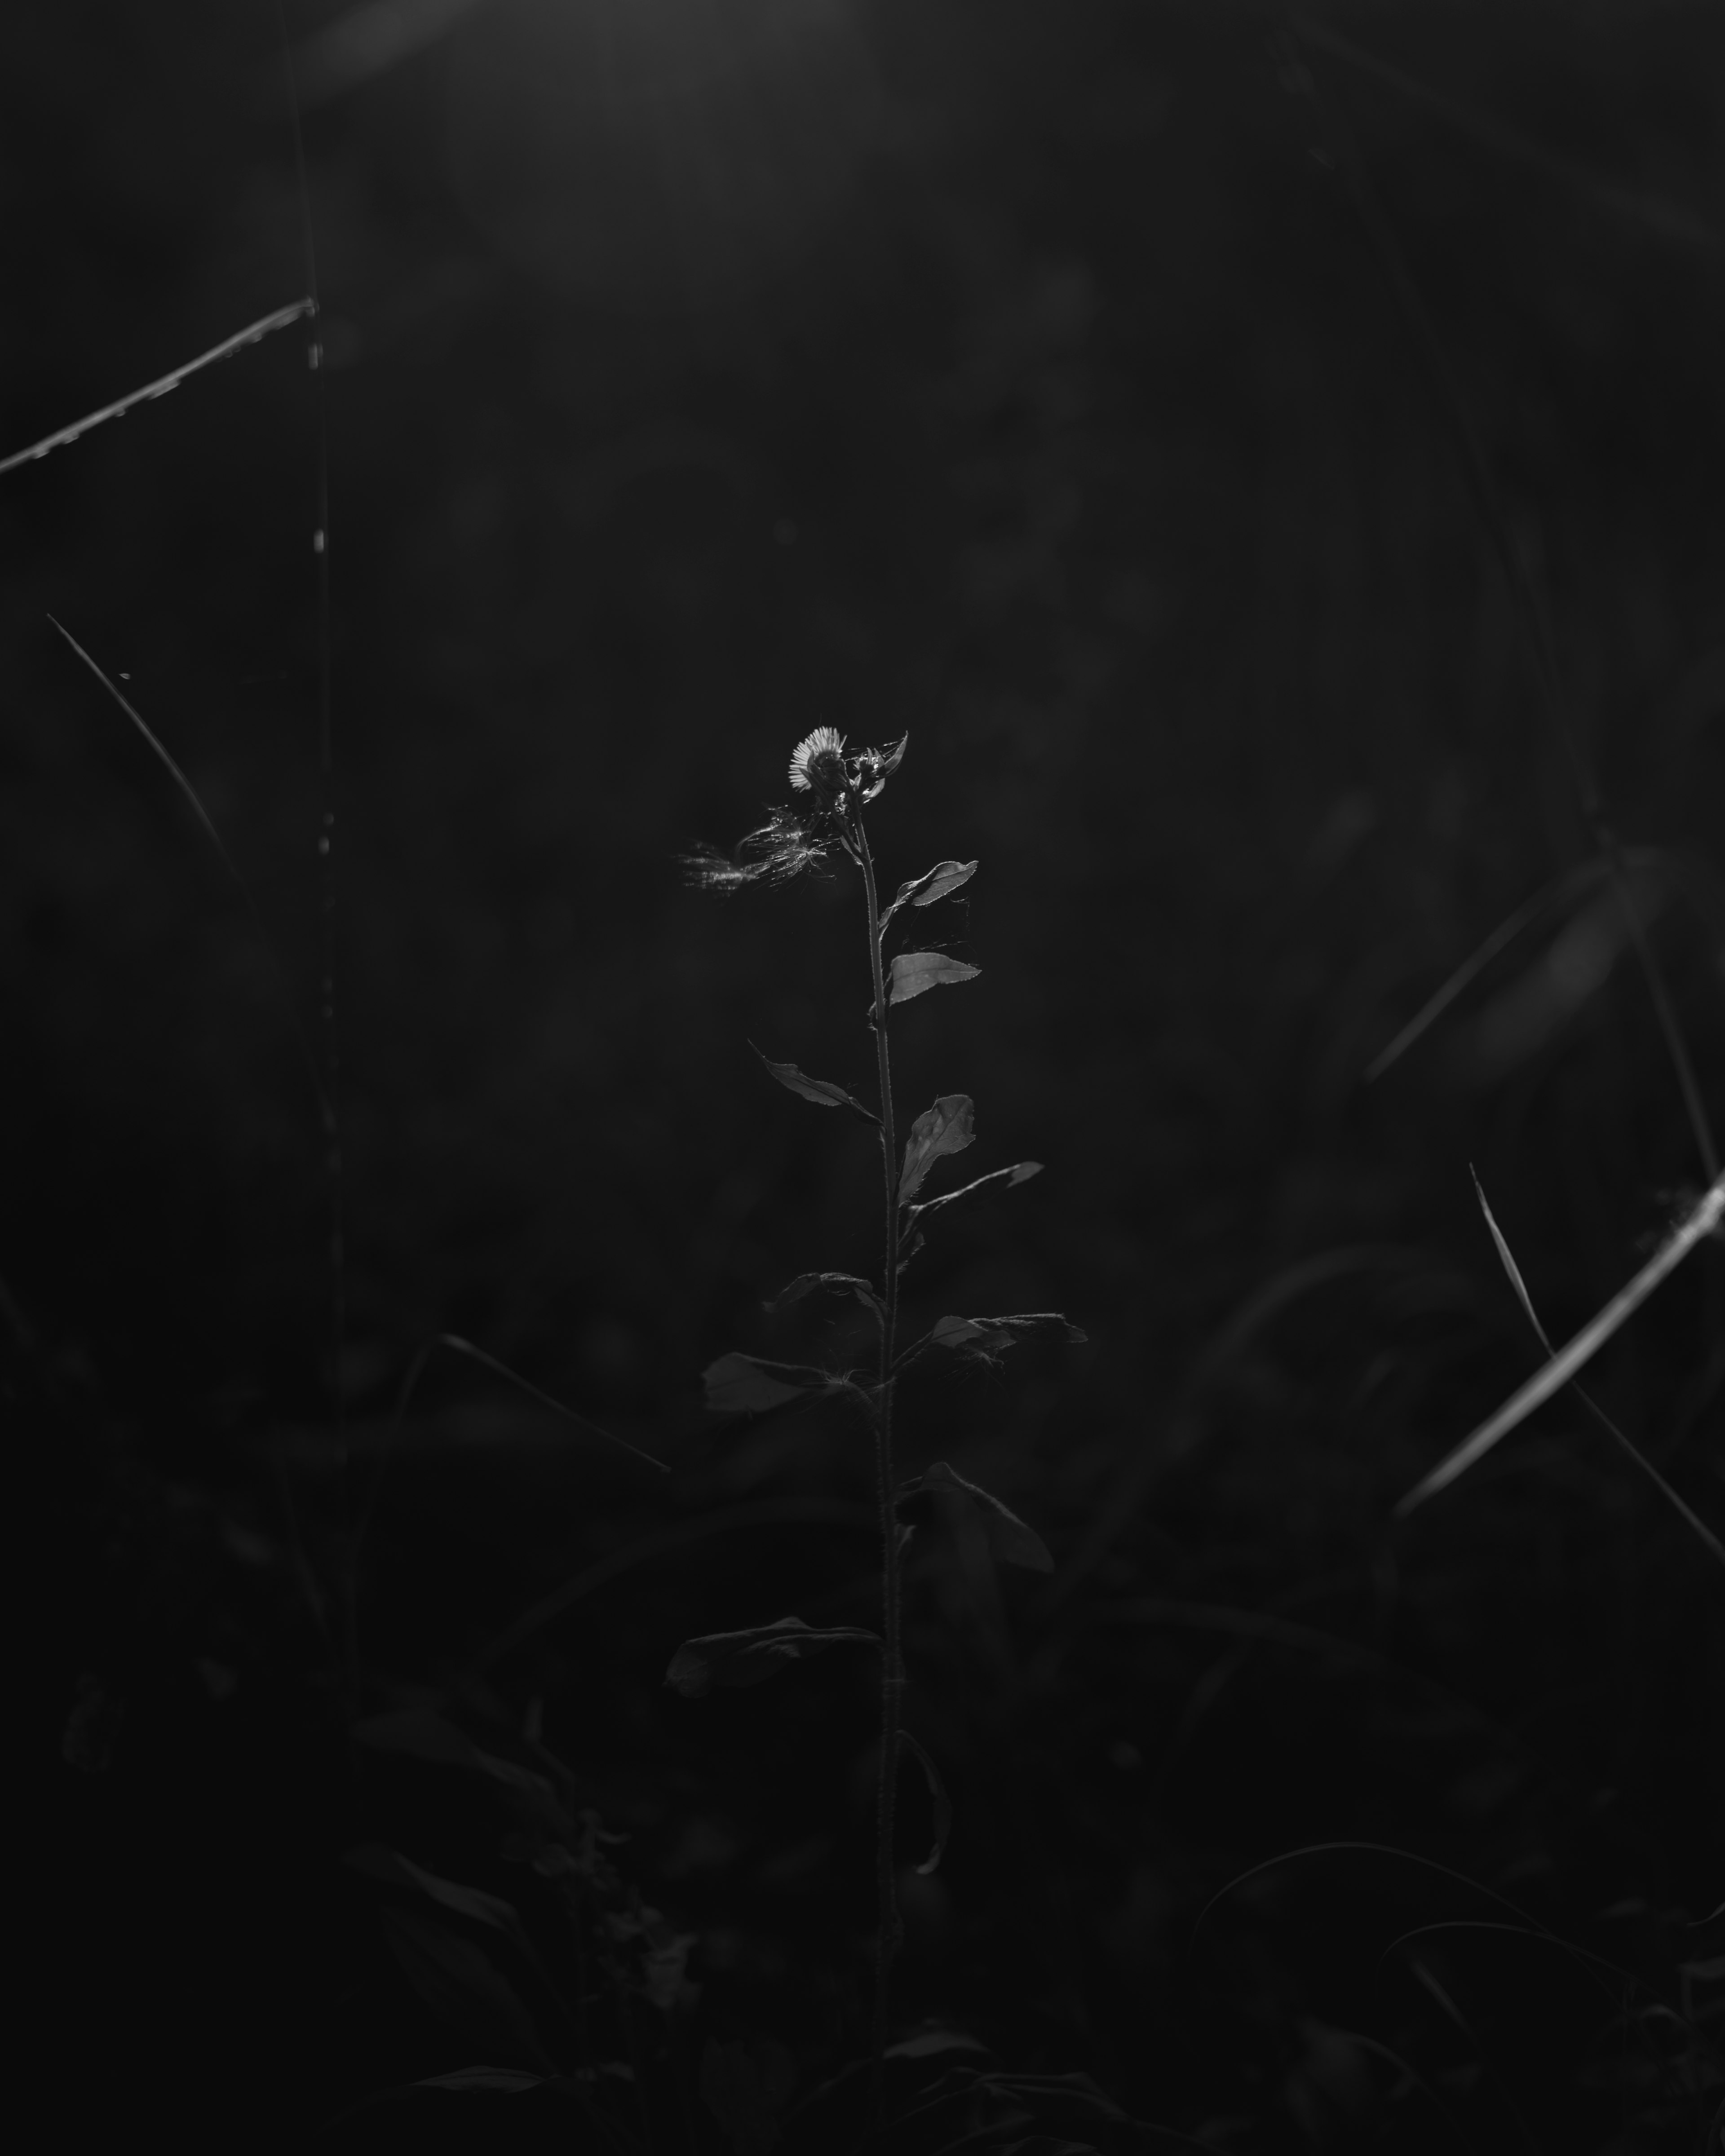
818 765
802 834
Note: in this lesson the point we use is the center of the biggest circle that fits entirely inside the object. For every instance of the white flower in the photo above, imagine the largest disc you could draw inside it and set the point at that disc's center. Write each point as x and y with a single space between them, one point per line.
816 764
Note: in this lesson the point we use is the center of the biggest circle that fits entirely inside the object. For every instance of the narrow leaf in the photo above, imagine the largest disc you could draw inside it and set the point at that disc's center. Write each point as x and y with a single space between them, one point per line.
742 1384
937 1795
1010 1539
461 1985
946 1127
914 971
1716 1549
843 1283
938 882
418 1733
506 2080
751 1657
821 1091
1020 1172
391 1869
253 333
1702 1221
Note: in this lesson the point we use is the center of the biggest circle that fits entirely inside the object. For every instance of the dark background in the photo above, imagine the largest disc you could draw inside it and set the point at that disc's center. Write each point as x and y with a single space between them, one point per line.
1020 377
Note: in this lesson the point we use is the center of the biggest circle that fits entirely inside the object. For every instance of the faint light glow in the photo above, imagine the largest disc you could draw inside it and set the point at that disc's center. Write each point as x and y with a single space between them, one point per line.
370 40
656 154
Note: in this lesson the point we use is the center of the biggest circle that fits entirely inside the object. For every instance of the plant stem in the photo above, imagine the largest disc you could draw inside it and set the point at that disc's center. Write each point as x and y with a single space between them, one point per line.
892 1674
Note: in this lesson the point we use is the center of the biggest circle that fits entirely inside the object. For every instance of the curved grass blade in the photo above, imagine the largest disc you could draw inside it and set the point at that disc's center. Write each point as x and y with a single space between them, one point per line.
1670 221
1560 890
1368 1849
937 1795
1715 1548
253 333
581 1422
1703 1220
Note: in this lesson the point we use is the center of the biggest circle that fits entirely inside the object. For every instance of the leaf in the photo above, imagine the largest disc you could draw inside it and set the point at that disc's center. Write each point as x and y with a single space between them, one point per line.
507 2080
1010 1541
1703 1220
821 1091
392 1869
942 1803
914 971
986 1336
743 1384
937 882
1020 1172
461 1985
751 1657
806 1283
944 1128
418 1733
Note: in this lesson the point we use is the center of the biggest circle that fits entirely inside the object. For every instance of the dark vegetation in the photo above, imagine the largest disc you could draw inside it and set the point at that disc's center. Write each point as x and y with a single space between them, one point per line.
1023 378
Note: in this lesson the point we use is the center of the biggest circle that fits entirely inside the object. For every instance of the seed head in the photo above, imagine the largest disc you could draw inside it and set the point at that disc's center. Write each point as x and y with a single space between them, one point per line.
802 834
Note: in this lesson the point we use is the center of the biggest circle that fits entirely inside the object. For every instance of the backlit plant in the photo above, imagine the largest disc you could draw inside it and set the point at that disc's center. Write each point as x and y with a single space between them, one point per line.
827 820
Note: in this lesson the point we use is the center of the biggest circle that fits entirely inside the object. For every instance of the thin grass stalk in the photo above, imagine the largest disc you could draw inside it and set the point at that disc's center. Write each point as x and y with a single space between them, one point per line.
892 1677
1524 594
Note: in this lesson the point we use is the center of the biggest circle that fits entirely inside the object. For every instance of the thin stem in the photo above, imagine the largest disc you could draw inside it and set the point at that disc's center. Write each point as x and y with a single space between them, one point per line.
892 1672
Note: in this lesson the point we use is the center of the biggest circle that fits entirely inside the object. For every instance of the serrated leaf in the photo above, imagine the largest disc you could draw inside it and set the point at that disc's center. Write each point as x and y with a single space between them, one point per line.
751 1657
937 1796
821 1091
742 1384
1010 1540
461 1985
946 1127
914 971
938 882
806 1283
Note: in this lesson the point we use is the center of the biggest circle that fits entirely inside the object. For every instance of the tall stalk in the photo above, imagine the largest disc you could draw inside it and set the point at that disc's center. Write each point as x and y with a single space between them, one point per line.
892 1677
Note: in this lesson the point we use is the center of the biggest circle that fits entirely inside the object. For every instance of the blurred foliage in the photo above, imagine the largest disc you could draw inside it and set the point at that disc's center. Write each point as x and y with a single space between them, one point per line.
1018 377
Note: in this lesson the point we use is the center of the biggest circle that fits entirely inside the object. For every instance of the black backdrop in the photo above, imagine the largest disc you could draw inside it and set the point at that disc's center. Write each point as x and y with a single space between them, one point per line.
1023 378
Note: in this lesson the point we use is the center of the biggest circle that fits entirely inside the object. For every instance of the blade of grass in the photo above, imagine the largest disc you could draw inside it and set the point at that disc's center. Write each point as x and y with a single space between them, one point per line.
253 333
1524 591
1714 1546
1370 1849
1670 221
1560 890
214 836
1701 1221
569 1415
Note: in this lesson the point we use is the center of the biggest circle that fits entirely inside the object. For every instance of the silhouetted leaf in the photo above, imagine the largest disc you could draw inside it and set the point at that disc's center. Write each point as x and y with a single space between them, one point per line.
914 971
942 1803
392 1869
821 1091
986 1336
461 1985
937 882
751 1657
421 1733
506 2080
742 1384
1020 1172
1010 1539
944 1128
806 1283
